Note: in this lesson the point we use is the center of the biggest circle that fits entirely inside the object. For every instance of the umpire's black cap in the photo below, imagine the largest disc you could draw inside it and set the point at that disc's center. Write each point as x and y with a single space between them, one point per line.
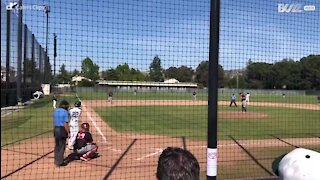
64 104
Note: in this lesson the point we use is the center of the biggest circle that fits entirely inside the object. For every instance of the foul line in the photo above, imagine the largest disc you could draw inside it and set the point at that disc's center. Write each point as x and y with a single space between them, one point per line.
252 157
118 161
93 122
95 125
158 151
284 141
26 165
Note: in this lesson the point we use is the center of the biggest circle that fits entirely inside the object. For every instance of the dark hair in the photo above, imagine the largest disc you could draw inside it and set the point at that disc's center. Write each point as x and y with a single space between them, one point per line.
177 164
64 104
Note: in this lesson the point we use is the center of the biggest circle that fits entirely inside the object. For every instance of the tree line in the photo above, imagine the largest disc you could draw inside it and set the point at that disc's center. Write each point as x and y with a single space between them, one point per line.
285 74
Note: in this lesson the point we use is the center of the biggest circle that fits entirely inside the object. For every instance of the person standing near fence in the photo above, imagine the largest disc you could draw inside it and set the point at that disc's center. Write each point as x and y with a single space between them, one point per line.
194 95
61 132
54 101
110 96
248 98
233 100
74 113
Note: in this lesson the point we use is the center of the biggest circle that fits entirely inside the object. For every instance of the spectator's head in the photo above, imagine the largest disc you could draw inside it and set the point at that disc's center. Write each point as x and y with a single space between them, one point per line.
64 104
177 164
85 126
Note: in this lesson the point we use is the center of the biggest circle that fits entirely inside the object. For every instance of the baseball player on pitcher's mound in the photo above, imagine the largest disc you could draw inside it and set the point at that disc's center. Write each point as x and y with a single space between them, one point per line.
75 113
84 145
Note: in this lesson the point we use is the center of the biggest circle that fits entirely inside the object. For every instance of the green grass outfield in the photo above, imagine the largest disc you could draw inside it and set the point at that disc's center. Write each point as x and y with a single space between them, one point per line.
92 95
30 121
191 121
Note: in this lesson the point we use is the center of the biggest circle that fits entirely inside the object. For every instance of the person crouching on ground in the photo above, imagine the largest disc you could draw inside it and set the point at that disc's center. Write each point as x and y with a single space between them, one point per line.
84 145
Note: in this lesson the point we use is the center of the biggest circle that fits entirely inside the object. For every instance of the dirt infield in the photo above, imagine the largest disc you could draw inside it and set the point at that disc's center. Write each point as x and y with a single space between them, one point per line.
127 155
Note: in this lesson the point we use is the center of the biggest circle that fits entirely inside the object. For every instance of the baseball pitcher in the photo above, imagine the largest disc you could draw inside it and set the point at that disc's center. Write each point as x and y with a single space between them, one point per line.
244 103
75 113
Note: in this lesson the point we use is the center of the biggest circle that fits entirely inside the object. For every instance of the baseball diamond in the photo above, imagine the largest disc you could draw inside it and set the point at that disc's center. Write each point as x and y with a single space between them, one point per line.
143 154
160 89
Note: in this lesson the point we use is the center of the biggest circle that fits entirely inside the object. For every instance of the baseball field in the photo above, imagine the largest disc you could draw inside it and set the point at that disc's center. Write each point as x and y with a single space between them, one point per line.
133 130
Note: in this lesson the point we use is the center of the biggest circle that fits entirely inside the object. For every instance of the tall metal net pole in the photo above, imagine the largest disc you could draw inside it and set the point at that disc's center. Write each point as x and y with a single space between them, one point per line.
18 80
54 54
212 153
8 53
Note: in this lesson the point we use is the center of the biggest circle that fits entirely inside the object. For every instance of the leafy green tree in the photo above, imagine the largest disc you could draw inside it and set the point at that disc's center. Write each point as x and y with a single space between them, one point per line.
310 73
64 76
110 75
286 73
258 74
202 71
182 74
89 69
155 68
123 73
137 75
75 73
232 82
86 83
201 74
221 77
171 72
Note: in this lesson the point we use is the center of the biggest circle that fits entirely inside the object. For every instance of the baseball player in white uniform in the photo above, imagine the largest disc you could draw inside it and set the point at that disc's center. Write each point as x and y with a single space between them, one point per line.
248 98
75 113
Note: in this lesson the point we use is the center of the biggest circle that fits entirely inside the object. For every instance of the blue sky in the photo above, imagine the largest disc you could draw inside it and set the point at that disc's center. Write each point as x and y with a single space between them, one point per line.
113 32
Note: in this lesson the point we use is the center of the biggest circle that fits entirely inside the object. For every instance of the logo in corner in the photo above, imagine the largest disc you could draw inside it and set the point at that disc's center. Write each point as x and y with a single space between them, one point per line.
12 5
295 8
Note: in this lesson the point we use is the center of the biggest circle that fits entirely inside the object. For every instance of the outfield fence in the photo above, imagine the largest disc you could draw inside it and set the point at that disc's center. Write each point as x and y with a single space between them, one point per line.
156 74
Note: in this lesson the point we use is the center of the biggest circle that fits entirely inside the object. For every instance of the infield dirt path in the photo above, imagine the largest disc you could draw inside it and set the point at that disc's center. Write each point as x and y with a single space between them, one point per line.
139 152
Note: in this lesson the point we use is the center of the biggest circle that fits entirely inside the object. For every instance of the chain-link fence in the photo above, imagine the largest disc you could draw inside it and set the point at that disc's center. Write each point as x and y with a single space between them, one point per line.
140 70
32 64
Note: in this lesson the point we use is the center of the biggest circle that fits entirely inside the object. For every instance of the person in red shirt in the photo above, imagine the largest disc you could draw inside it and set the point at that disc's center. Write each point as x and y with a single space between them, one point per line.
84 145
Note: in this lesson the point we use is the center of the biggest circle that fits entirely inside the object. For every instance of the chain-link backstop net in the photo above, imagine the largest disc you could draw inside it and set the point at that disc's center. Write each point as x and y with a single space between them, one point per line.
137 73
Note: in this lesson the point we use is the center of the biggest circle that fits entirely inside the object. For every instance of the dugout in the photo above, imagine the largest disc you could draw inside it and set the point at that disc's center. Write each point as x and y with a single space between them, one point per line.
130 86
